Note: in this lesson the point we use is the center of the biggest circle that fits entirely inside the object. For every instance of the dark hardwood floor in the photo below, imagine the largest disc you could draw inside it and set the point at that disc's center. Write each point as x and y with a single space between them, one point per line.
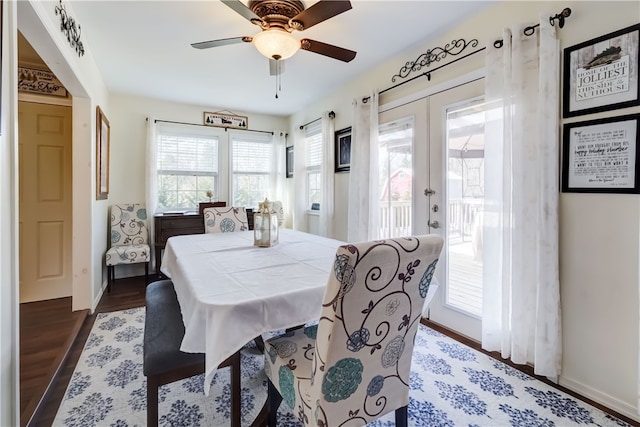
55 322
48 325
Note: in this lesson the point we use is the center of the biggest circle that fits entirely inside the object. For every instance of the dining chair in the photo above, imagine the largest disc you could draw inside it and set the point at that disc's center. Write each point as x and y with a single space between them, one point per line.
275 207
225 219
163 362
353 366
129 239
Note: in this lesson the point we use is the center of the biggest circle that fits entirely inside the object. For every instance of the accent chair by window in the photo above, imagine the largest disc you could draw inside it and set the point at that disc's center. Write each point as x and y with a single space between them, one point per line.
129 236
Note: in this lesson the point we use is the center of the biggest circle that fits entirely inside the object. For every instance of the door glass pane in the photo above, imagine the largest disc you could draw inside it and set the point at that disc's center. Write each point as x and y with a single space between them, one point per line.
465 199
395 157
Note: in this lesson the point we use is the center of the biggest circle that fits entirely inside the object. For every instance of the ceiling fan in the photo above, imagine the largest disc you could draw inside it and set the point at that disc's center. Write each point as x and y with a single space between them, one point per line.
277 20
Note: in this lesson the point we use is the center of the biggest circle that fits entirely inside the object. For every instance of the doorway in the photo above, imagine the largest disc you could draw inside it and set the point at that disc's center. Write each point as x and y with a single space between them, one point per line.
45 201
432 181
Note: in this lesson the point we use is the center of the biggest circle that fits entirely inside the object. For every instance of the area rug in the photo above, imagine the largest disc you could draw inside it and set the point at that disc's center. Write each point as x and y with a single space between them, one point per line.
451 385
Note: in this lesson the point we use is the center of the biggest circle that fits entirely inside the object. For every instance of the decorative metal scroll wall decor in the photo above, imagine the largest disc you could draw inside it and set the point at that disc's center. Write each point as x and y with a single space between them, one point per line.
68 28
456 47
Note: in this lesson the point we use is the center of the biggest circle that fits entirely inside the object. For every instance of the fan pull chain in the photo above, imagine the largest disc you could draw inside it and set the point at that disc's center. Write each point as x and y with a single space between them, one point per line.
278 77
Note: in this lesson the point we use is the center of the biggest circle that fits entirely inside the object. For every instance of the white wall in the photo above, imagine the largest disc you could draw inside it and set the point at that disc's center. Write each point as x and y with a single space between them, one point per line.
37 21
9 354
128 145
79 74
600 234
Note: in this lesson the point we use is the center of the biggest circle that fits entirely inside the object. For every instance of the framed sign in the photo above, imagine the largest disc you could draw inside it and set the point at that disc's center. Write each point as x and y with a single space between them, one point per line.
601 156
602 74
289 161
39 81
225 120
103 132
343 150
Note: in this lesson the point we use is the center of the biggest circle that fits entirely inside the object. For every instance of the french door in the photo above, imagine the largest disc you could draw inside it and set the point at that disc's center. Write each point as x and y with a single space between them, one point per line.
432 181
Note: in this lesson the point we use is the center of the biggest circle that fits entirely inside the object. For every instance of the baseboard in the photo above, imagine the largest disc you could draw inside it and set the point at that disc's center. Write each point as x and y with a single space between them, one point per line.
610 402
96 300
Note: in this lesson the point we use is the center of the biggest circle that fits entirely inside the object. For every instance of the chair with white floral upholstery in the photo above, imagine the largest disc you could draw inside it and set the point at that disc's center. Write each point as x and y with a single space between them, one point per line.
353 366
129 239
275 207
225 219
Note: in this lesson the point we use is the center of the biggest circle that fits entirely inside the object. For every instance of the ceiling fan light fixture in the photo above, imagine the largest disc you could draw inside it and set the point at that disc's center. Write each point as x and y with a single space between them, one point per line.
276 43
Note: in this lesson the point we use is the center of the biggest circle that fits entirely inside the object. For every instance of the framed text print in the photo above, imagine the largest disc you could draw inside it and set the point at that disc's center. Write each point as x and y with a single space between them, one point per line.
601 156
602 74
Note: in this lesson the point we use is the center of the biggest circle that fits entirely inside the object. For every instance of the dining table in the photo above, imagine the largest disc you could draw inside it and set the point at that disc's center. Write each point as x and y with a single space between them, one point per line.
231 291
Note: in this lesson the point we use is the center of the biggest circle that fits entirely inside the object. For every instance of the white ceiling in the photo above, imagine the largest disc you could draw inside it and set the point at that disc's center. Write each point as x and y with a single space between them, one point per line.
144 48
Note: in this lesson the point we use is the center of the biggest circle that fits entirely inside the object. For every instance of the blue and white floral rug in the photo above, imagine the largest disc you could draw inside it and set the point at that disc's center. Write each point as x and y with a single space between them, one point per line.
451 385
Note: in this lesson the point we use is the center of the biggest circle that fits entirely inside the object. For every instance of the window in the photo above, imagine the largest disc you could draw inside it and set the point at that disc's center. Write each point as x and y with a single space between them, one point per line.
252 168
187 169
313 162
395 157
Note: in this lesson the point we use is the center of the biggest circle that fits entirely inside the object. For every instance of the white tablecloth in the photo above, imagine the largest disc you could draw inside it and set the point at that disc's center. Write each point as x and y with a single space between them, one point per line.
231 291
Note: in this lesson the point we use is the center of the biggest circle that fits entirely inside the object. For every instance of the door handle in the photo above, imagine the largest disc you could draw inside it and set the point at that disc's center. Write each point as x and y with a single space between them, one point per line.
433 224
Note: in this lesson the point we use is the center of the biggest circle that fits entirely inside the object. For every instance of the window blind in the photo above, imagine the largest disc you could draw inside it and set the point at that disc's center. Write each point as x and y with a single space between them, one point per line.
186 155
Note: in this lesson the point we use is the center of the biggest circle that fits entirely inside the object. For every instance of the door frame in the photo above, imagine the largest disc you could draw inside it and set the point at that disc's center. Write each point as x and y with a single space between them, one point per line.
427 92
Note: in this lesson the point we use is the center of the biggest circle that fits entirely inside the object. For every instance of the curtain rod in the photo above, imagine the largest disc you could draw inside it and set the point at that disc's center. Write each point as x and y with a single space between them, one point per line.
197 124
528 31
331 116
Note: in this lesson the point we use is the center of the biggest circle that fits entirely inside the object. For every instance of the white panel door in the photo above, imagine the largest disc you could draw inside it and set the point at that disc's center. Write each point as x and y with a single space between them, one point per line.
45 201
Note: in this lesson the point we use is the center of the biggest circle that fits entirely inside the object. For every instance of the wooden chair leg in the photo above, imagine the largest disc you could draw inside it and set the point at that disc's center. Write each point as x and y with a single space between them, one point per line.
146 273
259 343
401 417
152 402
110 277
274 400
236 389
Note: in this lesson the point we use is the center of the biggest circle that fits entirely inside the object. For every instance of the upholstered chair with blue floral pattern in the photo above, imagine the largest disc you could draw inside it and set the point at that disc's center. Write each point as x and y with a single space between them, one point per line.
275 207
353 366
225 219
129 239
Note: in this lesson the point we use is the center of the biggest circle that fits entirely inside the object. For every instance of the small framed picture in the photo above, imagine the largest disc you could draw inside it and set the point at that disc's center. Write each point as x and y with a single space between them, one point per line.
601 156
343 150
103 133
602 74
289 161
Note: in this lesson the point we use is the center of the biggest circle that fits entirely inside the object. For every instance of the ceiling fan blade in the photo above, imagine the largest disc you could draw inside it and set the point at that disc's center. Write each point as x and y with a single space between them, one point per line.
221 42
242 10
329 50
276 67
321 11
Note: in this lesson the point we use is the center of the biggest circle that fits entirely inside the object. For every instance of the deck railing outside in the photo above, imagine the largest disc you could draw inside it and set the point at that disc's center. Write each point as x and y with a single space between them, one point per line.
395 218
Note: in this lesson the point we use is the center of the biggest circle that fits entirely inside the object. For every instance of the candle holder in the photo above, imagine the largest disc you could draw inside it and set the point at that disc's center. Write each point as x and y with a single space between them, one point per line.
265 226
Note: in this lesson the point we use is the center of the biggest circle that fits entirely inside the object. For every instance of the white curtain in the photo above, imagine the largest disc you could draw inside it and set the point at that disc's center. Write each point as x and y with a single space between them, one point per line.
325 223
364 205
151 181
521 300
278 172
299 182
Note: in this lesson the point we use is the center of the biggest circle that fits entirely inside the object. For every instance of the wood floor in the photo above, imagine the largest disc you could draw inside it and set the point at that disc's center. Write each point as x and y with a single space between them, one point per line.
45 328
54 318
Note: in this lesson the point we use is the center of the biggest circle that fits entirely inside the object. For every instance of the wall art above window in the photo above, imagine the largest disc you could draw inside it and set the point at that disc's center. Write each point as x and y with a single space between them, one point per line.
226 120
